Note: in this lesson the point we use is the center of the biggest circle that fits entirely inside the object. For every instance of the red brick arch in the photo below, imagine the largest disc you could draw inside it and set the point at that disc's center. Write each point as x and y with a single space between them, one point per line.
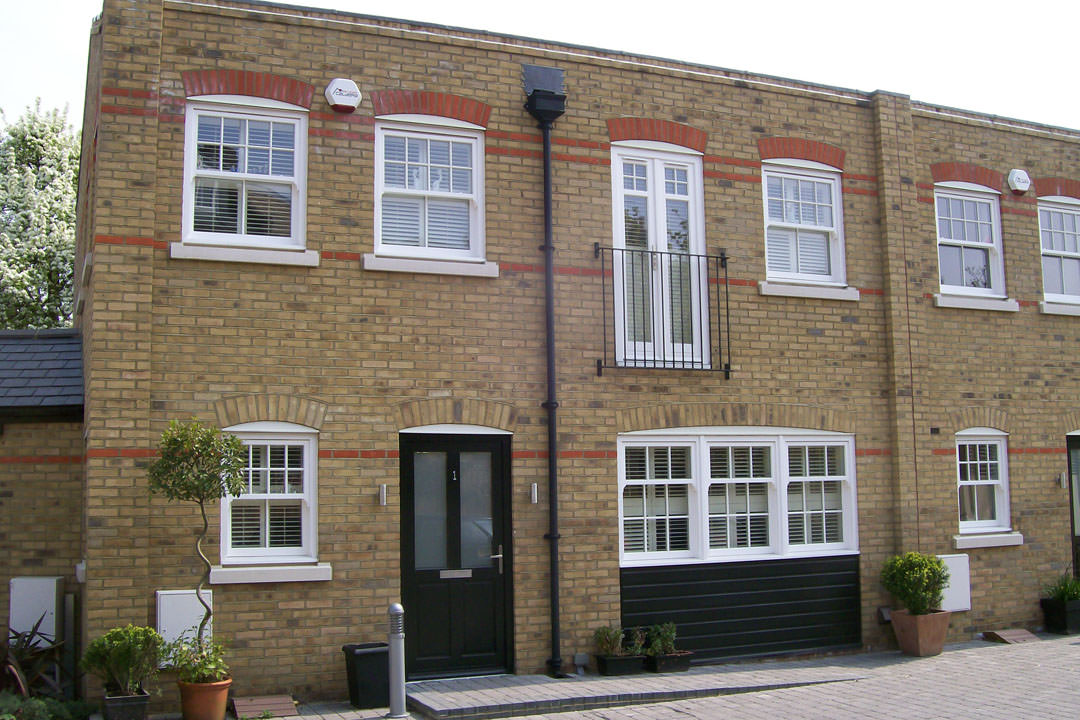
801 149
1057 186
657 130
394 102
251 84
966 172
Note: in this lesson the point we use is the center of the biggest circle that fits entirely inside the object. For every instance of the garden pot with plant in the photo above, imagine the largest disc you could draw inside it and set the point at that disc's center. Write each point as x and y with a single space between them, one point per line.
1061 606
660 652
618 651
918 581
125 659
202 465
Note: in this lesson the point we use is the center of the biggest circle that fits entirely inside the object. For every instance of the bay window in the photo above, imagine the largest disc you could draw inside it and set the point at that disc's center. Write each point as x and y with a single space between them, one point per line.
715 494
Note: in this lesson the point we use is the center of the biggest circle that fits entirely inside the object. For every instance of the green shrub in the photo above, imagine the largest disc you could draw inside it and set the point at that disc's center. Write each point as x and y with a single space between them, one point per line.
661 639
17 707
124 658
916 580
613 641
609 640
1065 589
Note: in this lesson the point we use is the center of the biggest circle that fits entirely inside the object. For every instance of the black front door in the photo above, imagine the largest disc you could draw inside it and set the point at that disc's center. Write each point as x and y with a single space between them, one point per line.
455 553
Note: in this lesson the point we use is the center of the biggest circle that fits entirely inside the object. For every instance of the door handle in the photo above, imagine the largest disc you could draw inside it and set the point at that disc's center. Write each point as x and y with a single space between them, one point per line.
499 557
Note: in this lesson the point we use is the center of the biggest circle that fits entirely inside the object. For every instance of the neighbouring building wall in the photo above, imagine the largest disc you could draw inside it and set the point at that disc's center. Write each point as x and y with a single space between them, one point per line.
41 480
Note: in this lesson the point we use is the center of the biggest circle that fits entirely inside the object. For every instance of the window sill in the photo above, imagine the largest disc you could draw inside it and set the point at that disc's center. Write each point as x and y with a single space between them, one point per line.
1053 308
430 267
270 573
984 540
975 303
817 292
749 557
305 258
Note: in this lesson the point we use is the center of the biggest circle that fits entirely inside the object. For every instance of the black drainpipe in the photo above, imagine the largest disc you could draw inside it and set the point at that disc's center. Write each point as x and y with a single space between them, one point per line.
547 102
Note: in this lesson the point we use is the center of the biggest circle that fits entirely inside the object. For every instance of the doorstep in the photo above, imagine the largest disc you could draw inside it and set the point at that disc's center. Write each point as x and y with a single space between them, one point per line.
507 695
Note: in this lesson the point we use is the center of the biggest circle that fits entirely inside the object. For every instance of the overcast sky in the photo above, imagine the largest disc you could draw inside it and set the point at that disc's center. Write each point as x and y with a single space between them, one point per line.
1016 60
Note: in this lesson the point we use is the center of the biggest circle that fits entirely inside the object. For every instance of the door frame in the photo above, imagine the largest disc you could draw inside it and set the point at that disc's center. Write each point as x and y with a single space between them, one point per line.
500 443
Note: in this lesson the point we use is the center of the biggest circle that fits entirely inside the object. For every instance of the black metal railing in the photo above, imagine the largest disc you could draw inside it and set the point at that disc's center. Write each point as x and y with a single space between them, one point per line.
664 310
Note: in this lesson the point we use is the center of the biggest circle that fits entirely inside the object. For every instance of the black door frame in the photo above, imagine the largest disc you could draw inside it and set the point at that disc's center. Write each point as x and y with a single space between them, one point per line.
1072 444
499 444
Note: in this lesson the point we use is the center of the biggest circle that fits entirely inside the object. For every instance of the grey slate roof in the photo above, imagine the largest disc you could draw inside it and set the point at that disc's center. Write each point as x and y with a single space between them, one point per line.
40 372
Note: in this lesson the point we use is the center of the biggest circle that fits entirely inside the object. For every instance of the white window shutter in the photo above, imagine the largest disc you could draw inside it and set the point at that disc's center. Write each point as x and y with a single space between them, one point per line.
779 249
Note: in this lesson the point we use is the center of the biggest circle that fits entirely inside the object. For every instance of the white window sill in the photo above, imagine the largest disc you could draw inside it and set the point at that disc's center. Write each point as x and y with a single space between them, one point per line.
817 292
984 540
969 302
319 572
305 258
1054 308
430 267
749 557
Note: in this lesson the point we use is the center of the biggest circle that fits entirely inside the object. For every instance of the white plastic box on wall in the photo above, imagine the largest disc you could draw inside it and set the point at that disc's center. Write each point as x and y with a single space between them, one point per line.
179 613
34 598
957 595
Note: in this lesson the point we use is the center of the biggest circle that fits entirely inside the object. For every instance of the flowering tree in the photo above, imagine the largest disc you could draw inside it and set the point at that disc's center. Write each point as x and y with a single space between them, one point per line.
39 178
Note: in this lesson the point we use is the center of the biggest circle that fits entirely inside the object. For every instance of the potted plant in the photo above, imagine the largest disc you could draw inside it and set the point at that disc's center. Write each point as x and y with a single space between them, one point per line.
618 651
1061 606
202 465
202 675
918 581
124 659
660 652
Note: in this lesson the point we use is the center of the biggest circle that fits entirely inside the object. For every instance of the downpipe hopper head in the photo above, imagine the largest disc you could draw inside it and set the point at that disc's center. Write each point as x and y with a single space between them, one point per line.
545 92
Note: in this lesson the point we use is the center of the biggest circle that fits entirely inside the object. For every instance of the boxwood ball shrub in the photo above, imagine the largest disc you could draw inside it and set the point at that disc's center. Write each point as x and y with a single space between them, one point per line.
917 580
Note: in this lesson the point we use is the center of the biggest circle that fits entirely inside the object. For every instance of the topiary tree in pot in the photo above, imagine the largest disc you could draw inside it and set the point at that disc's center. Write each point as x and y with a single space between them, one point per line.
918 581
199 464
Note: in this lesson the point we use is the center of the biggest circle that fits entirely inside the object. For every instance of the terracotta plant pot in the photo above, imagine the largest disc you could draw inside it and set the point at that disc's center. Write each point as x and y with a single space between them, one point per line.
204 701
920 635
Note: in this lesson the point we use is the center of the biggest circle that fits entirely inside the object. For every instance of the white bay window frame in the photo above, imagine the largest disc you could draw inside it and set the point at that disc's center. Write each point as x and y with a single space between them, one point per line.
971 230
777 478
792 253
248 175
466 159
276 435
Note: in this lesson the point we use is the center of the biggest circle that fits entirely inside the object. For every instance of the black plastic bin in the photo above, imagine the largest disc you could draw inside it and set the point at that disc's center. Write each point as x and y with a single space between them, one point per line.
367 667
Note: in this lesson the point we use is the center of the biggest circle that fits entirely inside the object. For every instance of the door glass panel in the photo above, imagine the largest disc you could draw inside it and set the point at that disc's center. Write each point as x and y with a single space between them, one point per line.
476 523
429 510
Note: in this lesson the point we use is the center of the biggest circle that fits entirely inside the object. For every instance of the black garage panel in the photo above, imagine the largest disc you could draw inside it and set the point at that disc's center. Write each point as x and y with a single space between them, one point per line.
726 610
